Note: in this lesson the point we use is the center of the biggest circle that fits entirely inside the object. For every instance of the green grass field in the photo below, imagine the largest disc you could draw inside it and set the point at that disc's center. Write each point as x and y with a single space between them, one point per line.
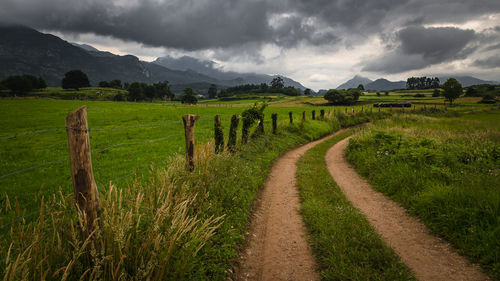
445 170
126 138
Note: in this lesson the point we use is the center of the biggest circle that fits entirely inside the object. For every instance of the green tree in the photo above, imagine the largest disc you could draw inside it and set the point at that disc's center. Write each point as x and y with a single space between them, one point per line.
341 97
452 89
75 79
163 90
277 83
212 91
361 87
115 83
18 84
307 92
189 96
104 84
136 91
150 92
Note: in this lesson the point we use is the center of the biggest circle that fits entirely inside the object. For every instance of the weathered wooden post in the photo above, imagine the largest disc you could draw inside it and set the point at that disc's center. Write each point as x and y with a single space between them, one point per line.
379 109
322 114
274 116
85 189
189 121
313 115
290 115
231 142
352 110
303 116
218 135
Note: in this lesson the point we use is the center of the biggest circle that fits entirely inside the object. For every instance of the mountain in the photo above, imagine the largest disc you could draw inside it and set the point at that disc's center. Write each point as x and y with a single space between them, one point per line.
354 82
229 78
24 50
385 85
466 81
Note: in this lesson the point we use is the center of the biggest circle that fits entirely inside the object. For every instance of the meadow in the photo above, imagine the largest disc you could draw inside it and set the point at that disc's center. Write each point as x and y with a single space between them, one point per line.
444 170
158 221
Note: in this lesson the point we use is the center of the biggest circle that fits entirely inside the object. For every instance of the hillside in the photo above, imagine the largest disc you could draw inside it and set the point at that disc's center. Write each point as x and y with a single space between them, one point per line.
24 50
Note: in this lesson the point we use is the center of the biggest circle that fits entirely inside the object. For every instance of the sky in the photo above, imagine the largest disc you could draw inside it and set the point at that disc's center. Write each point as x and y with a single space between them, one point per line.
320 43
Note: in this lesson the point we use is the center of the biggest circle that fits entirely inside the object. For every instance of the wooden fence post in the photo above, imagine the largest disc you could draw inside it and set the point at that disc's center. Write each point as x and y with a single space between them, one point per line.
274 116
291 117
303 116
218 135
322 114
85 189
313 115
352 110
231 142
189 121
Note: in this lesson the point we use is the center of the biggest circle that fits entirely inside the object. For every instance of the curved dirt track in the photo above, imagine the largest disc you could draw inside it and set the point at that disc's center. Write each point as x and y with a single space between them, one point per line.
277 248
429 257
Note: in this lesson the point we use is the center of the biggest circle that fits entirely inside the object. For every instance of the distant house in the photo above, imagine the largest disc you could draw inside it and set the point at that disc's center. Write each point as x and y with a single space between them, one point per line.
200 96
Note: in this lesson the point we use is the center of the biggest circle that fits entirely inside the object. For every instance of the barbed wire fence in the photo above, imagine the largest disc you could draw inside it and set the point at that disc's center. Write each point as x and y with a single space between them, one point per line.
204 133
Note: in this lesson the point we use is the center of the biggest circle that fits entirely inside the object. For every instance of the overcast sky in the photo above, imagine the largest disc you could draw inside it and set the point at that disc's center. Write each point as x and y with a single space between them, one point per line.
320 43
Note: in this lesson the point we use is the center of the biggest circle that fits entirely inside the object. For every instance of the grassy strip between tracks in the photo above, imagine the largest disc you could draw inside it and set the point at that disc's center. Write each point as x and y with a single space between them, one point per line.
345 245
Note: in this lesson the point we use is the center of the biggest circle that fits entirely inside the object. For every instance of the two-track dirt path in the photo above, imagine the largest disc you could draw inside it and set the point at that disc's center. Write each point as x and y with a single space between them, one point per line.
277 248
429 257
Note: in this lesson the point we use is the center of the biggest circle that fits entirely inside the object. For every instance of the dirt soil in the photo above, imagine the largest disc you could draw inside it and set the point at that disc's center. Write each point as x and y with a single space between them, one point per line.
429 257
277 246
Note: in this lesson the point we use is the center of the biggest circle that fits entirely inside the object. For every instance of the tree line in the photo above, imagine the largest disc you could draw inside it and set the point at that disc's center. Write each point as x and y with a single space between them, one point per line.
421 83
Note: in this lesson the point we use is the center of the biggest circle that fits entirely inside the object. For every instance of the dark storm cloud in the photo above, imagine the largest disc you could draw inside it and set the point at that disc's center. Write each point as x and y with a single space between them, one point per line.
239 27
183 24
419 47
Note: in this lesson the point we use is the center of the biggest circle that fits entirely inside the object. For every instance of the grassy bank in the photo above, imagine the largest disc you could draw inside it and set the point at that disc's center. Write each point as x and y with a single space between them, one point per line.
345 245
445 170
166 224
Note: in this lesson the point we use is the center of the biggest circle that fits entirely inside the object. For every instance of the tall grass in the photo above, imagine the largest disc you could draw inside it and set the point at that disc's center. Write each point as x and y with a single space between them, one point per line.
443 170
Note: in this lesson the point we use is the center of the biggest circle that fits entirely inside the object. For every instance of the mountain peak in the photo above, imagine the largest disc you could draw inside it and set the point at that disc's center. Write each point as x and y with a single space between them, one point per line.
354 82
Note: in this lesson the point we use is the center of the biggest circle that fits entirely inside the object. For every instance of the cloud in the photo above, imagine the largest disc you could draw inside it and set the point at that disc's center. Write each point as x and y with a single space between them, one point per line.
491 62
419 47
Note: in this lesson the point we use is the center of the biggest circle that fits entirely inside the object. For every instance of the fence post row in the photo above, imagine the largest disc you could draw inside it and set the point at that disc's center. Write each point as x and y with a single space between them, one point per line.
85 189
290 116
218 135
231 142
313 115
189 121
274 116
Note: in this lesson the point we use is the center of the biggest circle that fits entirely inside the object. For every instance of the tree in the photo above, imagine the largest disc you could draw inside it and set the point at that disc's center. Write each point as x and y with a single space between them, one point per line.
341 97
307 92
136 91
163 90
189 96
452 89
277 83
104 84
75 79
116 83
18 84
212 91
150 92
361 87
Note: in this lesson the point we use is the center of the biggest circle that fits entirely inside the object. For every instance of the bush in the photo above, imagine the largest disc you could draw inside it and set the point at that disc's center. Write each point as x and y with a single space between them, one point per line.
22 84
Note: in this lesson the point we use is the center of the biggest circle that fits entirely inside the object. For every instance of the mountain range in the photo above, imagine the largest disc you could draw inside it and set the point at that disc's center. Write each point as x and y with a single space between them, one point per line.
382 84
24 50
